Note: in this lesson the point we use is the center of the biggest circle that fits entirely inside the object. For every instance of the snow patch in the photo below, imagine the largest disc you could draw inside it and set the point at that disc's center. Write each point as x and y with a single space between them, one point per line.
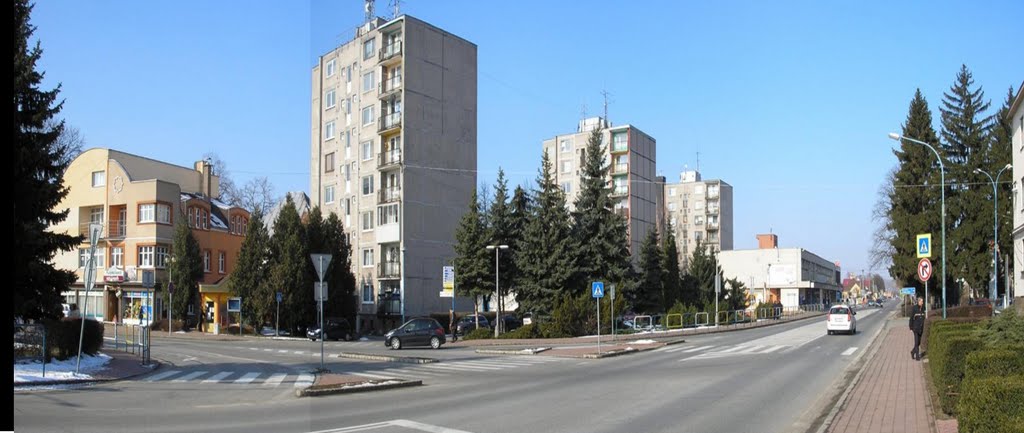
32 371
364 339
371 384
643 342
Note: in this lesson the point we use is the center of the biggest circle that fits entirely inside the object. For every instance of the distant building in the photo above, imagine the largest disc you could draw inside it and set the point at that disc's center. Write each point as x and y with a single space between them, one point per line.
1017 121
698 210
299 199
792 276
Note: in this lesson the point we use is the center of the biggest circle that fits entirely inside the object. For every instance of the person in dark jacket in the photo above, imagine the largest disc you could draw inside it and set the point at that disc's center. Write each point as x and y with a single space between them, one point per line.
917 326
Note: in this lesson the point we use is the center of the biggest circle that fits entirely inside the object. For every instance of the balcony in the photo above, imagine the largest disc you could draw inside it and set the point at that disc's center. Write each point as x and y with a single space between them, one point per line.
622 212
389 158
389 86
713 210
620 168
389 122
389 195
391 52
620 147
620 191
116 229
389 270
712 226
712 193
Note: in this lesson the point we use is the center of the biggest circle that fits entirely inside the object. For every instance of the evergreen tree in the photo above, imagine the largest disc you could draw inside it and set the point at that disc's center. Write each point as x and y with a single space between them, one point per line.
502 232
186 270
1001 154
251 271
734 294
650 295
546 260
965 141
911 209
703 268
290 268
672 281
602 252
39 163
342 282
473 274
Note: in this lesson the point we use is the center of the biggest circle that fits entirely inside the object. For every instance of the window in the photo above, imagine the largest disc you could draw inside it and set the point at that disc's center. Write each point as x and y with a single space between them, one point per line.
329 194
367 293
346 105
99 178
329 162
698 190
367 150
367 220
117 257
348 74
619 141
367 115
329 99
191 217
368 81
205 220
671 192
697 235
96 215
147 213
221 262
368 48
146 257
566 166
83 257
367 257
672 222
206 260
163 213
160 257
348 173
672 206
348 144
329 130
565 145
699 220
388 214
330 67
567 187
348 206
368 185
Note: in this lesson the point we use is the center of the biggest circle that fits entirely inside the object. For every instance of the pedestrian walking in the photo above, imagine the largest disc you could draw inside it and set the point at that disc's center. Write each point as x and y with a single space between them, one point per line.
917 327
451 324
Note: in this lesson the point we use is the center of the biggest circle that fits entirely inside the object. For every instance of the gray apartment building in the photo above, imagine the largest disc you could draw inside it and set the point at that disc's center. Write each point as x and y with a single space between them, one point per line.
393 153
698 209
631 156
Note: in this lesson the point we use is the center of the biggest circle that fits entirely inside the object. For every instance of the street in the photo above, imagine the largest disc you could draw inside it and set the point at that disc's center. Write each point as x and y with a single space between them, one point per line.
774 379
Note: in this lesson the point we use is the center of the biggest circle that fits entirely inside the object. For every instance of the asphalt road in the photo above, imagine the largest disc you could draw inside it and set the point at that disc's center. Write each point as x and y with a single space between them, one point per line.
773 379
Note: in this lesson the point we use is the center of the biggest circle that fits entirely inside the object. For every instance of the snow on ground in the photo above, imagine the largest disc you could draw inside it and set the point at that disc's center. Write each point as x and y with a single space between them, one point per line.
364 339
32 371
642 342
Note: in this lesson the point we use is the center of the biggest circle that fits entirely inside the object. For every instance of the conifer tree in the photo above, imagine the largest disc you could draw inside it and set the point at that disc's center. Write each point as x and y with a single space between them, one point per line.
251 271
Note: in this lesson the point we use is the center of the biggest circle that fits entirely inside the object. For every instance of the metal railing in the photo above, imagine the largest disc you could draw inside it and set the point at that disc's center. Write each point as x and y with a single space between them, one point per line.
388 195
388 121
390 85
704 320
389 157
389 269
134 339
620 147
620 190
30 343
620 168
117 229
390 50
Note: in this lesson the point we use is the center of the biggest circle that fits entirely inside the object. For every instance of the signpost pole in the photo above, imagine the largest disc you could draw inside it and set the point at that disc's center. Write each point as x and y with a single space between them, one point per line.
321 261
90 271
277 317
612 306
598 325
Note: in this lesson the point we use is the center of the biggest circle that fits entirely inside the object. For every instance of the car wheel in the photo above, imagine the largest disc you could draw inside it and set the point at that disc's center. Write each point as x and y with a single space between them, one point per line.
829 332
435 343
312 339
396 344
348 336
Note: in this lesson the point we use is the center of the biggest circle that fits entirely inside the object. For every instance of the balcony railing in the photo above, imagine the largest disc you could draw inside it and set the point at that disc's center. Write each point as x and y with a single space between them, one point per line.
389 270
390 85
713 211
389 121
712 193
620 146
390 50
620 169
389 157
712 226
117 229
389 195
622 212
620 191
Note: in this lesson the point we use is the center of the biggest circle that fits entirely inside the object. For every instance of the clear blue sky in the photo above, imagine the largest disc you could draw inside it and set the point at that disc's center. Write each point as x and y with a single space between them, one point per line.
789 102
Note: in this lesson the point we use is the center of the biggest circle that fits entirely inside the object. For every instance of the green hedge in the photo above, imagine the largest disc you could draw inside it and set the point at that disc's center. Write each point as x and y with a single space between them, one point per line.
479 334
947 358
62 338
992 405
936 325
987 363
533 330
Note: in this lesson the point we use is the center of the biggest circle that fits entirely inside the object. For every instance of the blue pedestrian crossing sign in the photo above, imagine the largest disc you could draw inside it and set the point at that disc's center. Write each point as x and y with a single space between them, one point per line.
597 289
924 246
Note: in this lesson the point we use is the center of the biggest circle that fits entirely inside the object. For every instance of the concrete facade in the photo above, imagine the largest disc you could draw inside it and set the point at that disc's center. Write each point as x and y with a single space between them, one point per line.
1017 121
699 209
393 153
631 156
793 276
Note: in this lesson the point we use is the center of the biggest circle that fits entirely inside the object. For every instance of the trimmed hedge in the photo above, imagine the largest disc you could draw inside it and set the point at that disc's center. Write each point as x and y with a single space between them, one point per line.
533 330
947 358
987 363
479 334
935 325
992 405
62 338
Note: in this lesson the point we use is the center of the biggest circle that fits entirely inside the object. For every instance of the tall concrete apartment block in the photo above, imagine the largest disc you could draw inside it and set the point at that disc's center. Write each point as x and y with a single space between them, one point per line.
699 210
631 157
393 153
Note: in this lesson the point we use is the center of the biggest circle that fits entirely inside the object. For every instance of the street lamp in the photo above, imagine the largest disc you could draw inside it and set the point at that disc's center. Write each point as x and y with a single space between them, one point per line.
497 288
170 295
942 189
994 294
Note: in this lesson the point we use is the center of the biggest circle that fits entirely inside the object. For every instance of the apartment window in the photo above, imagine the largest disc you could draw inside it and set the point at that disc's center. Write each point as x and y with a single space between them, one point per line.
367 115
329 99
368 81
367 257
329 130
205 220
83 257
117 257
348 172
698 205
348 206
368 48
367 293
99 178
147 213
348 144
566 166
698 235
699 220
329 162
346 105
191 217
146 256
367 220
206 260
367 150
671 192
671 206
619 141
388 214
222 262
567 187
713 190
330 67
160 256
565 145
368 185
96 215
672 222
329 194
163 213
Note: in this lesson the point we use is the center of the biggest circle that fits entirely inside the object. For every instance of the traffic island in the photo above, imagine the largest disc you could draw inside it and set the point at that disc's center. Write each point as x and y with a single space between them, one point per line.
329 384
606 351
513 351
386 358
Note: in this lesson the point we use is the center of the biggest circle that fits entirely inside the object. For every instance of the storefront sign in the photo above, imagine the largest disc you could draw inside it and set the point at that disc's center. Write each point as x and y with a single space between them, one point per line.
114 275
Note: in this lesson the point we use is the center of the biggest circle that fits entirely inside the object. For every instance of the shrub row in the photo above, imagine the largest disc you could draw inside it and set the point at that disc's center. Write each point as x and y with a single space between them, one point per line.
946 324
992 405
948 349
62 338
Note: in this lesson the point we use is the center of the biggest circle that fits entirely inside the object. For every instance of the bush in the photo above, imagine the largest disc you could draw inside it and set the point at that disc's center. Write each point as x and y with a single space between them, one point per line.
977 311
992 405
479 334
947 358
934 325
161 325
1005 329
62 338
987 363
570 316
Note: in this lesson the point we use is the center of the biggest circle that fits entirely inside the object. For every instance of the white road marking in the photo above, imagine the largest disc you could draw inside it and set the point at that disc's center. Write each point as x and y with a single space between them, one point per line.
772 349
370 375
247 378
217 377
304 380
275 379
189 376
849 351
698 348
163 375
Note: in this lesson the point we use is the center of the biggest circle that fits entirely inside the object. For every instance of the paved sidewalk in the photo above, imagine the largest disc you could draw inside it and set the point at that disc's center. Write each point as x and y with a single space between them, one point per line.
891 395
122 365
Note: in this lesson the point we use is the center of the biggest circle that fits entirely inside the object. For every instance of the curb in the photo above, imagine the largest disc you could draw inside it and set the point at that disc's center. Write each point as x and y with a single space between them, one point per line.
156 366
527 352
388 358
310 392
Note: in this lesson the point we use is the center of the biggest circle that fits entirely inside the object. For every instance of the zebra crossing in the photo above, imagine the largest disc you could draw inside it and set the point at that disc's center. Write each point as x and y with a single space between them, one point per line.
442 369
712 352
265 379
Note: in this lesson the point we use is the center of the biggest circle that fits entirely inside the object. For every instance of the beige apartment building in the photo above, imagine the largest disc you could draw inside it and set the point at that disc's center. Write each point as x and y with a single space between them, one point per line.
630 154
393 153
1016 119
698 210
137 201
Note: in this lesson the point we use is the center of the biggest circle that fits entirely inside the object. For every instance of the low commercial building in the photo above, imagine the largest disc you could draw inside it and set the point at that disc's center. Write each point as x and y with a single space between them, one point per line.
792 276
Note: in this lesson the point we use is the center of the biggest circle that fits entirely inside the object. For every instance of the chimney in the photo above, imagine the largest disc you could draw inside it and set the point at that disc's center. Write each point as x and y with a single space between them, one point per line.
205 169
767 241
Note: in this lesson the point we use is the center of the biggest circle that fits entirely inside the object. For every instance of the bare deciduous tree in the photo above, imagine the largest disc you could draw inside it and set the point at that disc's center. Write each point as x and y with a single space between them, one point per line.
258 193
70 141
228 191
880 254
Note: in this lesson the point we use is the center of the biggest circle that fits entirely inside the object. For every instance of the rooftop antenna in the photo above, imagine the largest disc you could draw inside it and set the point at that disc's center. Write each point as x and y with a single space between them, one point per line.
368 5
396 4
606 94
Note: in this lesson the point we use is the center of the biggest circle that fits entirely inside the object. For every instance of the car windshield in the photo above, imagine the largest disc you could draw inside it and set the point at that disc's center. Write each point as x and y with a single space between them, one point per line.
839 311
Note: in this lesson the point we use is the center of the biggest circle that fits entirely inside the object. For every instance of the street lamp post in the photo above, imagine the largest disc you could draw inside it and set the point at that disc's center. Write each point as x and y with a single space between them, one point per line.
170 296
942 189
994 293
497 289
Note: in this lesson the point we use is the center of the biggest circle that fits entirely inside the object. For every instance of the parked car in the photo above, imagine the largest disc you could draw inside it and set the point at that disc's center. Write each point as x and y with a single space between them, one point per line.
876 304
467 324
841 318
270 331
70 310
511 322
416 332
337 329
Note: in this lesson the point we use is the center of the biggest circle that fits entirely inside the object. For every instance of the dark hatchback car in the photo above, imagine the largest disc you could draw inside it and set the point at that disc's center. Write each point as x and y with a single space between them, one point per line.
467 324
416 332
337 329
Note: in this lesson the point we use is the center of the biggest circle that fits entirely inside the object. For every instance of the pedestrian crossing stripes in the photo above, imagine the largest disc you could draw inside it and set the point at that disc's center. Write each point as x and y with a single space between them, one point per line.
711 352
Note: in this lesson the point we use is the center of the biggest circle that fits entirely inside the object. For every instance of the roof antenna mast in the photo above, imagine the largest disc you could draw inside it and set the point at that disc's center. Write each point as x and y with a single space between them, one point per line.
368 6
396 5
606 94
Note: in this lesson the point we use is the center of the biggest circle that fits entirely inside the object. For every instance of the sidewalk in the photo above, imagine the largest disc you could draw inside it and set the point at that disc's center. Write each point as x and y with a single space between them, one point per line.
891 395
122 365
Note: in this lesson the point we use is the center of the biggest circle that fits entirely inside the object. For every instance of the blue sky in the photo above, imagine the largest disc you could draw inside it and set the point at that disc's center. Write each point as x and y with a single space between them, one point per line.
789 102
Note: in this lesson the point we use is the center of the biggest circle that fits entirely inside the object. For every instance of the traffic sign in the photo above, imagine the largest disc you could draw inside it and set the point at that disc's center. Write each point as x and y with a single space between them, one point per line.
597 289
234 305
280 296
907 291
320 291
321 262
924 270
924 245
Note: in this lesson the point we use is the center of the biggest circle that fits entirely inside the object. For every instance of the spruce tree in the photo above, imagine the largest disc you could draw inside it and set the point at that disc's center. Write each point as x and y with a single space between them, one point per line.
914 200
473 274
650 295
671 281
734 294
703 268
290 268
502 232
186 270
39 164
546 259
342 282
1001 154
251 271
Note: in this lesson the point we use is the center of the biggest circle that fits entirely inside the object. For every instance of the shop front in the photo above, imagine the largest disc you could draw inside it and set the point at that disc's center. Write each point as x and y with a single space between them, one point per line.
215 304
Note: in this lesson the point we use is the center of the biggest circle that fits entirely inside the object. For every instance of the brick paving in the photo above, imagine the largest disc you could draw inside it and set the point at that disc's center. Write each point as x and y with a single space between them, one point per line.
892 395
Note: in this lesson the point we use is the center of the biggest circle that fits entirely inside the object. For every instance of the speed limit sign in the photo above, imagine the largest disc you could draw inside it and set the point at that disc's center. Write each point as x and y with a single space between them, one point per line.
924 270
